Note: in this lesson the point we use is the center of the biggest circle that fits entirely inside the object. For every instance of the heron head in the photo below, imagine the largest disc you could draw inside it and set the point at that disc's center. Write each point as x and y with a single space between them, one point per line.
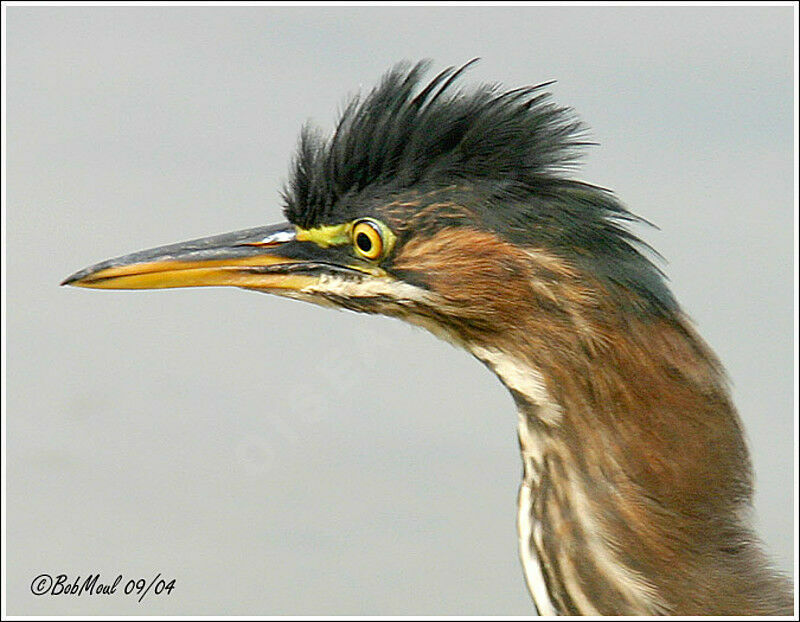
444 207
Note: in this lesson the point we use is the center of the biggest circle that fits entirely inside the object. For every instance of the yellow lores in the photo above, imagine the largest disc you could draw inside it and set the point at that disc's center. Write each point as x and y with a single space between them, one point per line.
371 238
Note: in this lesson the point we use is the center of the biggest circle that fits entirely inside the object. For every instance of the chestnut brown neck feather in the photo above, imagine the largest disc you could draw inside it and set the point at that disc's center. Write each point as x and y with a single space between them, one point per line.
640 486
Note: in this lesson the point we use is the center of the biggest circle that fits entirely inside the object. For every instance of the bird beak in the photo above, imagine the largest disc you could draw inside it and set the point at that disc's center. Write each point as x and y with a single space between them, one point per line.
265 258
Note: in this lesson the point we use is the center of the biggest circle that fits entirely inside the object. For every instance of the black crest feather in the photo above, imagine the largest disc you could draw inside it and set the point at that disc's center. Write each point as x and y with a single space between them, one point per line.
403 135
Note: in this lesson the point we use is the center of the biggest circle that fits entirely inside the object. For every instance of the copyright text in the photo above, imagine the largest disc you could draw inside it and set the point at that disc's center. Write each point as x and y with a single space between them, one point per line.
95 585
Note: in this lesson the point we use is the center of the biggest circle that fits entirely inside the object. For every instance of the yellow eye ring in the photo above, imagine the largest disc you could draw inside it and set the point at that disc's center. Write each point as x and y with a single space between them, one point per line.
368 239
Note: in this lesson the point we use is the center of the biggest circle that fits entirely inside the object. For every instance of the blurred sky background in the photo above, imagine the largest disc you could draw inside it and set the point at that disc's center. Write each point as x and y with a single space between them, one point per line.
278 458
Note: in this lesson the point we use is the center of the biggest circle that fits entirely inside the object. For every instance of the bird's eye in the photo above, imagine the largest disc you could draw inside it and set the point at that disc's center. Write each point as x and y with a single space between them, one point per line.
368 239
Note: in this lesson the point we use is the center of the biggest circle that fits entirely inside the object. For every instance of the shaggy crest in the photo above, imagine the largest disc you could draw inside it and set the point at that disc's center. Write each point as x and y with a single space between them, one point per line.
403 136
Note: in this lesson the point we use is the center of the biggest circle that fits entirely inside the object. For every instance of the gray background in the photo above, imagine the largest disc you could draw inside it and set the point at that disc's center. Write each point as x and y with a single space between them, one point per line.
275 457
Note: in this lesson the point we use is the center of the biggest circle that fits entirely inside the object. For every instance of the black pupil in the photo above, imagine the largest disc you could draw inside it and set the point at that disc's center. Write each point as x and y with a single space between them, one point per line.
364 242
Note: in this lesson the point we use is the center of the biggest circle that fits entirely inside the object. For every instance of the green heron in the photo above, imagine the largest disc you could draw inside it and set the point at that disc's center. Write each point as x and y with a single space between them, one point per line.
452 209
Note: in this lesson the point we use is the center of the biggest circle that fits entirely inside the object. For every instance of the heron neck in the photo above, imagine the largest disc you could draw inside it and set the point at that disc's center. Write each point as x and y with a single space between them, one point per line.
636 477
